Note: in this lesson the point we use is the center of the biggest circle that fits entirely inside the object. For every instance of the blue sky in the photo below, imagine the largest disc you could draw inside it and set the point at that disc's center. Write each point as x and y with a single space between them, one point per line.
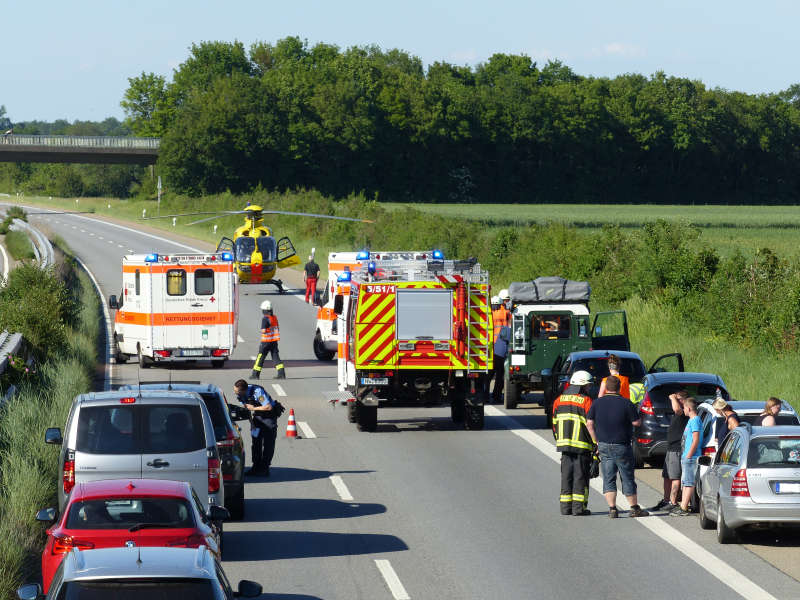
72 60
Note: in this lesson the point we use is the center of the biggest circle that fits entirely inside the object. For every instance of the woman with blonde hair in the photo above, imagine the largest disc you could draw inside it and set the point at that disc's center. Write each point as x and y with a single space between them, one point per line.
727 419
613 369
767 417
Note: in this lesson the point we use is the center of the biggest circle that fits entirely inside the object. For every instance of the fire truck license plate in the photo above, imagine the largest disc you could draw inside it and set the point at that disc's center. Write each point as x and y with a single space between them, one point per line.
374 381
191 352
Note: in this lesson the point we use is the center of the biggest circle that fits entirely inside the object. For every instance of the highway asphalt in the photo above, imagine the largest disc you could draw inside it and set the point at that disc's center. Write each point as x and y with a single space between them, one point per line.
421 508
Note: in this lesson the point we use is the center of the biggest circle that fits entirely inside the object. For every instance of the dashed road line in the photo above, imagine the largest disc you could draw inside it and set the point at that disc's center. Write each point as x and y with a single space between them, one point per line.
240 340
308 433
392 580
341 488
278 389
130 250
100 237
694 551
252 358
120 246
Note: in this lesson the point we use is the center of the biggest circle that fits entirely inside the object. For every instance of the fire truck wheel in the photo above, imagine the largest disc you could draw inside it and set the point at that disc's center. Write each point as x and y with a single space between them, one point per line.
457 410
217 364
511 396
367 418
144 362
319 350
474 418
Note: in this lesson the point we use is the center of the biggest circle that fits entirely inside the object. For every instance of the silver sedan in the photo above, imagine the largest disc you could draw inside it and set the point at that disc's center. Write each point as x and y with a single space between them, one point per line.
753 479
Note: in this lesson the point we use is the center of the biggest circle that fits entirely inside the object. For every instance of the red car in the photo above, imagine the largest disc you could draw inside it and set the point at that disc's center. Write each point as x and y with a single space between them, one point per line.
123 512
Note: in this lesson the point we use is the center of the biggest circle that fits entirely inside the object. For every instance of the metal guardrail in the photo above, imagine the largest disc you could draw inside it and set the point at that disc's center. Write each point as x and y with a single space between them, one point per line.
42 248
81 141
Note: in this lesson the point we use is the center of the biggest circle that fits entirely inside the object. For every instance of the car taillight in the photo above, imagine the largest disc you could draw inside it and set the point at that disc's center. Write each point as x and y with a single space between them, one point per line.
647 406
190 541
644 441
228 442
220 352
163 353
709 451
63 544
69 476
739 484
213 475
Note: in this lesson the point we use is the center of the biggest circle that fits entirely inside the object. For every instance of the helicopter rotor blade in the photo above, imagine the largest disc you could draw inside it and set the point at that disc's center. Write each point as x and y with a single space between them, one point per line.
299 214
215 217
224 213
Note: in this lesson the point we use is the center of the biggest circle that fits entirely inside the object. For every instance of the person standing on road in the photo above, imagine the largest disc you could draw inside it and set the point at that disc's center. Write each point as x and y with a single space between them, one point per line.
671 472
575 443
263 425
501 316
611 420
691 451
727 419
270 336
613 369
310 275
767 417
499 365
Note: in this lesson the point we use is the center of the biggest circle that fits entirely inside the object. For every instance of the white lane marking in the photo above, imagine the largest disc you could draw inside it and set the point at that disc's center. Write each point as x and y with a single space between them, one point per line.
74 227
694 551
110 241
100 237
120 246
130 250
239 339
278 389
308 433
5 263
392 580
341 488
252 358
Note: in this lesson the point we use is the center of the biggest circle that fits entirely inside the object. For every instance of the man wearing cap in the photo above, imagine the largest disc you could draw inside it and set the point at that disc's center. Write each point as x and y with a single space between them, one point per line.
310 274
575 443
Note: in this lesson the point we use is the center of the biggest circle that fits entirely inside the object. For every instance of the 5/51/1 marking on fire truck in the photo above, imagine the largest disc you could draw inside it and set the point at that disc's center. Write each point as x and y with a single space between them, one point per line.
381 289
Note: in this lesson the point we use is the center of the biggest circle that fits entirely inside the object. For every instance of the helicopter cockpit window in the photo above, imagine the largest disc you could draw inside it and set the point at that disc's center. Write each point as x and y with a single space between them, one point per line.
267 248
244 247
176 282
204 282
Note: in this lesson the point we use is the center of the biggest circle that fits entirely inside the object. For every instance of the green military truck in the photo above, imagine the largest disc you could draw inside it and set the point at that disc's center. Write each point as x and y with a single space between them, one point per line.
550 319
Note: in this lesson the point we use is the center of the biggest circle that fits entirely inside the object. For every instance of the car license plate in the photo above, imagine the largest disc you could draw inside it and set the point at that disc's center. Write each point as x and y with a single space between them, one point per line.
784 487
374 381
192 352
518 360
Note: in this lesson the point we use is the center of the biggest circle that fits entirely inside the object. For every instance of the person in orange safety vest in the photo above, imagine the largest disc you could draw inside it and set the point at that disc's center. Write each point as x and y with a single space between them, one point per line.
270 335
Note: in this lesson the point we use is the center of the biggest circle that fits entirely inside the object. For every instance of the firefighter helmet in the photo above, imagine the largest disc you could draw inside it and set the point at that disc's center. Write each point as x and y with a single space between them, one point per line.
504 295
266 305
495 300
580 378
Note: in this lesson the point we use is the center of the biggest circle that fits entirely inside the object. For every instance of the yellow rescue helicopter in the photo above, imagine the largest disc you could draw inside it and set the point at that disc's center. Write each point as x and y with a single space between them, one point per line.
256 253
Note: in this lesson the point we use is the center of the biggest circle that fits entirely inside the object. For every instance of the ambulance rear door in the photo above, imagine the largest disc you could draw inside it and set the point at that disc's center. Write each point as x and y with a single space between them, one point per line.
173 295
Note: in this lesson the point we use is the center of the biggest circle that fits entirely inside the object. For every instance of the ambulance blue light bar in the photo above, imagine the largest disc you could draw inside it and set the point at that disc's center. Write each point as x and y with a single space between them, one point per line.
344 276
372 267
438 255
151 258
227 256
363 255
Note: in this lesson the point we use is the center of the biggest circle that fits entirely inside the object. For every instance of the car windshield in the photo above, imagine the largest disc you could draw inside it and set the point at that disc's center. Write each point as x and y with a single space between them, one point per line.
774 452
659 395
137 589
632 368
124 513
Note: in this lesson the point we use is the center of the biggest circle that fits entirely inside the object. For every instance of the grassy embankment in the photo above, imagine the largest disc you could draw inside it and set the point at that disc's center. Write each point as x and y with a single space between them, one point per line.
659 324
29 468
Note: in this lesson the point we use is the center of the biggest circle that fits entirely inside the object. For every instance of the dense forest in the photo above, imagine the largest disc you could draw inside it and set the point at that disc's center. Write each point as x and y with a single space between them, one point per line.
288 115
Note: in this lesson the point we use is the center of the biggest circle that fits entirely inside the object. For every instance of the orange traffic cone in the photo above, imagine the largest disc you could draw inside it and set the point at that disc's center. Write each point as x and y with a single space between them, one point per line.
291 427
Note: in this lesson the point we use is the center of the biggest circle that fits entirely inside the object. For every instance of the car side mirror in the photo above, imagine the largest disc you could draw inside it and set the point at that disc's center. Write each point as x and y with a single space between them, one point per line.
218 513
53 436
704 460
46 515
248 589
237 413
338 304
29 591
112 302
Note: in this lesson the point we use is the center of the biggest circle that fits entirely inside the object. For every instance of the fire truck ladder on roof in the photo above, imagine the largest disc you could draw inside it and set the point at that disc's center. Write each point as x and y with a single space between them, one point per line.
477 351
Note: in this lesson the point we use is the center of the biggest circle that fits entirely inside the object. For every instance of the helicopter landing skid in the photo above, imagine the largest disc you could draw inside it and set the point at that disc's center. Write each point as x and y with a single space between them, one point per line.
279 283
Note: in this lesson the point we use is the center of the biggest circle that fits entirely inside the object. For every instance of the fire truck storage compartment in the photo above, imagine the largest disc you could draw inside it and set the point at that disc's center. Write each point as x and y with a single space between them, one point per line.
424 314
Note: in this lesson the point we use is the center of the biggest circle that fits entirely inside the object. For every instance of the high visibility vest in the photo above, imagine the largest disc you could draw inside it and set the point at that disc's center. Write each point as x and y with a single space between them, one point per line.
624 386
269 329
637 392
501 317
569 423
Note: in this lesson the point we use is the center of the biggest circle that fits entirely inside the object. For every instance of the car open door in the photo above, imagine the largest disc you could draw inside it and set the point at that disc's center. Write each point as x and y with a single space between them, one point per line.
610 331
669 363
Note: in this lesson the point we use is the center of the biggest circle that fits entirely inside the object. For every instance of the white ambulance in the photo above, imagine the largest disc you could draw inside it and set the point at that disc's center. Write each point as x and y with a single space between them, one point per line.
176 307
326 336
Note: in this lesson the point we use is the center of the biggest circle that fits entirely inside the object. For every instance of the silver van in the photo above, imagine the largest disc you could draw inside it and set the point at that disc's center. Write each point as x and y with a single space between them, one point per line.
133 434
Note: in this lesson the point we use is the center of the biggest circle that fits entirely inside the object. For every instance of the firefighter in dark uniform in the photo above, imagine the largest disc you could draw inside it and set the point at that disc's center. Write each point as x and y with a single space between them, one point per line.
270 336
575 443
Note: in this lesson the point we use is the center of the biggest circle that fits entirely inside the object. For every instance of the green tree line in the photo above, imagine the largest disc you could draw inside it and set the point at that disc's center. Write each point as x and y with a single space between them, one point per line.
288 115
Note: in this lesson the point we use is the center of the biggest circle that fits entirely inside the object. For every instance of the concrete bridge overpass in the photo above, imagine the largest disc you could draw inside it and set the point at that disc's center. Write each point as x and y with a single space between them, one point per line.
78 149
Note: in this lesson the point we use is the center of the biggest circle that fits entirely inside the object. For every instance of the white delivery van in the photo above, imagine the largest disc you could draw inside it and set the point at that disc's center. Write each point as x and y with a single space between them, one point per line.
176 307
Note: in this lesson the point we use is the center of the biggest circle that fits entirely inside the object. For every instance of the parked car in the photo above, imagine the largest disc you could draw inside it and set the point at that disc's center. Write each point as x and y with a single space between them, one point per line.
753 479
129 512
140 573
650 438
747 410
150 434
228 435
